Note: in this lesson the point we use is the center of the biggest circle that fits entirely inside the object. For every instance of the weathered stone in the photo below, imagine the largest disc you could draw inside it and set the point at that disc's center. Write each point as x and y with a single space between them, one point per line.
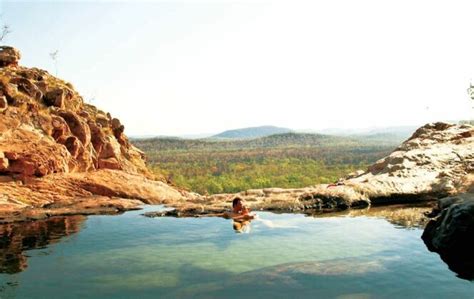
3 103
84 114
354 174
60 129
7 91
26 86
9 56
97 137
110 149
73 145
12 155
115 123
22 166
102 120
3 164
78 127
55 98
110 163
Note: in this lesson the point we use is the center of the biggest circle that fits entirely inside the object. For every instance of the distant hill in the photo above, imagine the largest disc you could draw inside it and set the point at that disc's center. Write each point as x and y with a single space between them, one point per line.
400 131
285 140
252 132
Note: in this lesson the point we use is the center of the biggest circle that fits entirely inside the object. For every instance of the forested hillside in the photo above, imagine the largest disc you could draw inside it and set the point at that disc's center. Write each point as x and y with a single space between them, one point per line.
282 160
253 132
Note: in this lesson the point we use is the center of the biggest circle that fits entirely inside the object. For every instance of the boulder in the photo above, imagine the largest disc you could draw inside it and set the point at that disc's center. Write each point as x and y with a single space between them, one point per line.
7 91
9 56
102 120
25 85
60 128
25 167
78 127
3 164
451 233
55 98
115 123
73 145
110 163
3 104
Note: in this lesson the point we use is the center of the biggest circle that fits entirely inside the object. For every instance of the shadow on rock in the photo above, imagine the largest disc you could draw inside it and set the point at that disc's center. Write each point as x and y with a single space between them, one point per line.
451 233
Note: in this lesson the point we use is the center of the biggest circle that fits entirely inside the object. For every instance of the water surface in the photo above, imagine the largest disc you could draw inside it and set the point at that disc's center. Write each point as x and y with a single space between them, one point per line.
357 254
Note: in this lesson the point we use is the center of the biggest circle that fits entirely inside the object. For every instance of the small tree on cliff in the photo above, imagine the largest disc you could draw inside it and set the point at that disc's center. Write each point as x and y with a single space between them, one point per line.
470 91
54 57
4 31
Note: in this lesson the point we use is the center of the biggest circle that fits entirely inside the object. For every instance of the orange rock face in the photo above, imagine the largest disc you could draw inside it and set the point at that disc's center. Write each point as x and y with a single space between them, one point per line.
47 128
49 138
9 56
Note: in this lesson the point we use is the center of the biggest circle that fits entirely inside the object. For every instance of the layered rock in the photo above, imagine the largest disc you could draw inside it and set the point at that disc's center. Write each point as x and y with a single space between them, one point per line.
9 56
451 233
56 150
47 128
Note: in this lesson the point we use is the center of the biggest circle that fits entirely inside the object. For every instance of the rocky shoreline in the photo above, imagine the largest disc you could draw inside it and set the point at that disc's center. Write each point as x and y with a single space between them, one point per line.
62 156
437 161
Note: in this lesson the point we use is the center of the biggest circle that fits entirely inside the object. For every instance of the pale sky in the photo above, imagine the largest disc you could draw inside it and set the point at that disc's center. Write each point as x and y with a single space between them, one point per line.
174 68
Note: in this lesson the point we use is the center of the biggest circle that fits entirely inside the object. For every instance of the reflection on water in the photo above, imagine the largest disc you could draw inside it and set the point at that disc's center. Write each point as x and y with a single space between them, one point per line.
403 216
16 238
241 226
130 256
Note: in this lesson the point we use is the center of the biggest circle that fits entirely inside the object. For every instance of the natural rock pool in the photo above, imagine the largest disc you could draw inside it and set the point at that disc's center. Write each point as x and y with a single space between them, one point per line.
372 254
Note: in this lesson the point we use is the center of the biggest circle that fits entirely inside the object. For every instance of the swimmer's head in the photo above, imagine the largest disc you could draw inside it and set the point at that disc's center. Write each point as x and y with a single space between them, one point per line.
237 201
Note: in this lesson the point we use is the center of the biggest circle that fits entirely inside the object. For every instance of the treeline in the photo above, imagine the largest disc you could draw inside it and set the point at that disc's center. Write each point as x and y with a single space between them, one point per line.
286 140
210 177
284 160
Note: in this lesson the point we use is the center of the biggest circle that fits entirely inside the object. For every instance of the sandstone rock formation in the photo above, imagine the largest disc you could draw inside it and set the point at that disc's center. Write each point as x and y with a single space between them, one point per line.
57 151
9 56
47 128
451 233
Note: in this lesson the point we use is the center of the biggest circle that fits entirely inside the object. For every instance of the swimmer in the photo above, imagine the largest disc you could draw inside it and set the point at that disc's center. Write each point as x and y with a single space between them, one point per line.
239 211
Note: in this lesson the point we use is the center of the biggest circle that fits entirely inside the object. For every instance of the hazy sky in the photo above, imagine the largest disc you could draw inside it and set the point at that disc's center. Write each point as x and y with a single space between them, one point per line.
172 68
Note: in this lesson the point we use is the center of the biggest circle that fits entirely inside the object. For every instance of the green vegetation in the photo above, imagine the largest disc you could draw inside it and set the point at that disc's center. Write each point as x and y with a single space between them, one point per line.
285 160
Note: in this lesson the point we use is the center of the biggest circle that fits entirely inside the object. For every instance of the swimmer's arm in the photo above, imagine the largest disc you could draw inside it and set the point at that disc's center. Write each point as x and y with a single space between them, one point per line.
225 215
244 217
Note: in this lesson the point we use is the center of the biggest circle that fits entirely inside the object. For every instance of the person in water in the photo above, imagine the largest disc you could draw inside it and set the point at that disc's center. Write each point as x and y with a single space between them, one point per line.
241 216
239 210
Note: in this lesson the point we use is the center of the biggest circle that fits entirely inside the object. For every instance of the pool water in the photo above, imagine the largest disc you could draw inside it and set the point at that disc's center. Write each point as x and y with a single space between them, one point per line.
275 256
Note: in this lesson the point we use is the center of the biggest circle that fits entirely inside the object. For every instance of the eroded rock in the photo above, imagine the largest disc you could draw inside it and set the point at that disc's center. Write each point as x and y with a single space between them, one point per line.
77 126
27 87
56 152
56 98
9 56
3 104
